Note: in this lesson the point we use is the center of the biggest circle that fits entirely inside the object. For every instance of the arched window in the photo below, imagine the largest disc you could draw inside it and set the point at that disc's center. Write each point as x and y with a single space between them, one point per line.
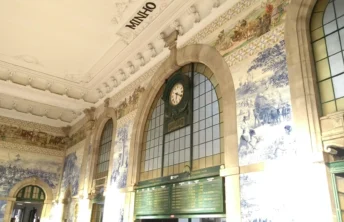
31 193
104 152
192 138
327 34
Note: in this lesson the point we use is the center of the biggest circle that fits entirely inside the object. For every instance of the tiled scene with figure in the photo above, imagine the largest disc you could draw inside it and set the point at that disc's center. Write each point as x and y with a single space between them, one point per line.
172 111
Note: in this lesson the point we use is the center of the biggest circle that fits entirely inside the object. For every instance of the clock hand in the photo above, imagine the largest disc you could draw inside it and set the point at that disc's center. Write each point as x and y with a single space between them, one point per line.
178 94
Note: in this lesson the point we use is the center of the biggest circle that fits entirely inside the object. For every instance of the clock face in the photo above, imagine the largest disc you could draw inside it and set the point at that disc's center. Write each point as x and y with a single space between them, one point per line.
176 94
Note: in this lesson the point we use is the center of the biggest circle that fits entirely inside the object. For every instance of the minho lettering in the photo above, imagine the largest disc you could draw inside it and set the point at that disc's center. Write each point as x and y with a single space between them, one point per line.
141 15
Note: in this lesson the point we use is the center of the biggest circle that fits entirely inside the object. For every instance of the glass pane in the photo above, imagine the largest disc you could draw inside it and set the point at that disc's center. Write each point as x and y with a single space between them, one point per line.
209 134
181 156
340 105
328 108
187 154
202 125
209 148
329 13
170 159
326 90
316 20
317 34
202 88
202 150
333 44
159 162
319 48
338 83
216 146
195 153
176 157
336 64
339 6
340 22
323 69
341 34
330 27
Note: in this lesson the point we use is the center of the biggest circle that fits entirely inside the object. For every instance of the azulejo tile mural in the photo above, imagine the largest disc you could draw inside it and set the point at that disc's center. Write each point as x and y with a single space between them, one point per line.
264 118
121 156
2 210
15 166
71 169
265 17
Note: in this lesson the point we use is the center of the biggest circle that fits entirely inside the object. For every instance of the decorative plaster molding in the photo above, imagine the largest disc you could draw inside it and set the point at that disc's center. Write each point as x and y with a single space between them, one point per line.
126 119
258 45
18 135
75 147
131 104
115 100
221 20
56 131
32 149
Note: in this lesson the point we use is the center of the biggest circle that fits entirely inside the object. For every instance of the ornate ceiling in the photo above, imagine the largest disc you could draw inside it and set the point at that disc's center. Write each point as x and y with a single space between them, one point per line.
58 58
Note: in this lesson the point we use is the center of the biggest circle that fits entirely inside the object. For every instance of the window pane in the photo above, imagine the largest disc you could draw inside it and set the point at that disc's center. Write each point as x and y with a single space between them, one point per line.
323 69
339 6
332 43
216 146
338 83
326 90
187 155
202 150
340 104
317 34
340 22
181 156
330 27
209 148
328 108
176 157
195 153
329 13
316 20
336 64
319 49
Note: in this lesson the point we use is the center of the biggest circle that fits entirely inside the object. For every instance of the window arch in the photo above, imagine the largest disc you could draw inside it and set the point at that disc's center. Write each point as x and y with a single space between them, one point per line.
31 193
103 157
198 144
327 34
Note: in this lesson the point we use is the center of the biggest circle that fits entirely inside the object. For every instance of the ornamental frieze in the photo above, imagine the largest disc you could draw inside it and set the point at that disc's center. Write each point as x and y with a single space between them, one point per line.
18 135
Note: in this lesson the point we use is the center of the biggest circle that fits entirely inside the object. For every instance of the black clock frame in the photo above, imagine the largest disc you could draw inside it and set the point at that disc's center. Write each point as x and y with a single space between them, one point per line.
177 116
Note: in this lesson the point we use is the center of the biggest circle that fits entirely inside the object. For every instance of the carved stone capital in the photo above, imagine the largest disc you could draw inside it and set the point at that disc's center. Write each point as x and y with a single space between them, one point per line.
66 130
106 102
89 126
171 40
89 113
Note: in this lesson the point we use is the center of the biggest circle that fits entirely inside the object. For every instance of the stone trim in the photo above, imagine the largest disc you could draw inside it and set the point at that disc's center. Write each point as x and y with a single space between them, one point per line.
302 79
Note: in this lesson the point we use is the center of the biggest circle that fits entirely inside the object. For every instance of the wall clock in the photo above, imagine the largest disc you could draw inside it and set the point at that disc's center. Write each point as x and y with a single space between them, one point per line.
177 95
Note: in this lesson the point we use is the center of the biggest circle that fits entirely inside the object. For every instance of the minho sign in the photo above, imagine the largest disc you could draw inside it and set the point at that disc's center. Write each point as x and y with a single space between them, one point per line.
141 15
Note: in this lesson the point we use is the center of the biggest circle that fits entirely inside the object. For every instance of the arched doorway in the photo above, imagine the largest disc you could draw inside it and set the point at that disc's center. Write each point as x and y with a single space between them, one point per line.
33 181
29 204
